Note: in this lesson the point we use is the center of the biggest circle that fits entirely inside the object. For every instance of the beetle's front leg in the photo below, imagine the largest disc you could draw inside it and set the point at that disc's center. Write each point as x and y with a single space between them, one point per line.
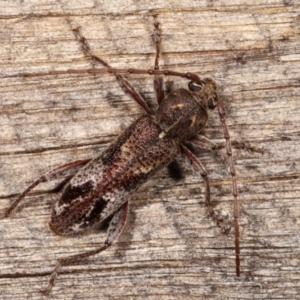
124 84
158 80
115 228
203 142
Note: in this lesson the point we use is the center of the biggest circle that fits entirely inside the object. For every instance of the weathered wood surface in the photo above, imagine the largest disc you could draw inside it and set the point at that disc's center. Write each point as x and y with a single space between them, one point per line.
170 248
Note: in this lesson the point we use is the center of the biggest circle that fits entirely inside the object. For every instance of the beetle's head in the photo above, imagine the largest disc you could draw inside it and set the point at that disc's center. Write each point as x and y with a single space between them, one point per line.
205 91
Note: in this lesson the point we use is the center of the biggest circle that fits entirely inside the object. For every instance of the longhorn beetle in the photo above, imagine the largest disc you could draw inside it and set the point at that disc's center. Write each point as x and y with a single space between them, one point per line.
100 187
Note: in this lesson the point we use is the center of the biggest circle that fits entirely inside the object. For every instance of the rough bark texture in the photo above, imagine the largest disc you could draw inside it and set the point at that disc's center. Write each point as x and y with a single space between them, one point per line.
170 248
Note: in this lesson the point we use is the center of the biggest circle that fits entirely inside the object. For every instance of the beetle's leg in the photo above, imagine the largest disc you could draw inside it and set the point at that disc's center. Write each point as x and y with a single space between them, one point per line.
203 142
64 170
243 146
124 84
115 228
158 80
199 167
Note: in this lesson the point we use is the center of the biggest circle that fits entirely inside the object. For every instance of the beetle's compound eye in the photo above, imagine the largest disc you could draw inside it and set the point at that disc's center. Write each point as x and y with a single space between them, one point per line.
212 102
196 86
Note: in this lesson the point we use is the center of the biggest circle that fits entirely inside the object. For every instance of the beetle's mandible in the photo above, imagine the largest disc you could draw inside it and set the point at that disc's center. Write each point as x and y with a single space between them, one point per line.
100 187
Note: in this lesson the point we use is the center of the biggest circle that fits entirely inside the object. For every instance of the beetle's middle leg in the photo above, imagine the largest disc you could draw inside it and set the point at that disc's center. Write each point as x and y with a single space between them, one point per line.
115 228
199 167
124 84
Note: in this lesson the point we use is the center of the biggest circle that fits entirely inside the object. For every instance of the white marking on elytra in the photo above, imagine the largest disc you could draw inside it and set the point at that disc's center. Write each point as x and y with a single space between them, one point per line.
162 135
110 196
113 199
89 212
143 169
59 208
77 227
90 172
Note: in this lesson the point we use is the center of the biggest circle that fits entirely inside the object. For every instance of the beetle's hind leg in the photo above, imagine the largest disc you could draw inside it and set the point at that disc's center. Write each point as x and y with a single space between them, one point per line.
115 228
65 170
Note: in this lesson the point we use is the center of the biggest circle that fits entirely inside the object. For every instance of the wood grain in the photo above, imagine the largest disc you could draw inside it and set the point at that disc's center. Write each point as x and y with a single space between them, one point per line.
170 248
